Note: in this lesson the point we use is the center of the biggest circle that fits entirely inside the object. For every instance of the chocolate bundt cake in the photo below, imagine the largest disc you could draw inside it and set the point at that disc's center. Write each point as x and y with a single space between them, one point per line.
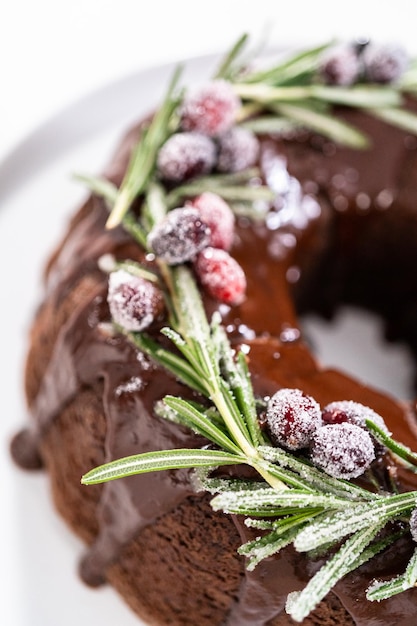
324 206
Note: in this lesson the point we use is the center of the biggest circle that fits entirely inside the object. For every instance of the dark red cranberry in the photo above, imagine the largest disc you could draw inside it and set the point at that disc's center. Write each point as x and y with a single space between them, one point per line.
340 65
238 150
184 156
210 109
215 212
133 301
384 63
292 417
352 412
342 450
221 275
179 236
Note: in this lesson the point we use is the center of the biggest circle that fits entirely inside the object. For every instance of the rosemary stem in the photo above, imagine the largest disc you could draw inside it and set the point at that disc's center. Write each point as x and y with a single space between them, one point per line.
265 93
275 482
247 448
121 206
239 438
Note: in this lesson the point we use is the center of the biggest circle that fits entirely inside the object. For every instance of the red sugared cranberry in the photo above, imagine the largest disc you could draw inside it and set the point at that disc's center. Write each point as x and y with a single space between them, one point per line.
340 65
352 412
238 149
186 155
384 63
179 236
292 418
134 302
221 276
215 212
211 109
342 450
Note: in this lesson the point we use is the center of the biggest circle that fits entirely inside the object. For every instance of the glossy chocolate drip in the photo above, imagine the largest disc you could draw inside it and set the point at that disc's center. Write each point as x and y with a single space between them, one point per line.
264 591
286 255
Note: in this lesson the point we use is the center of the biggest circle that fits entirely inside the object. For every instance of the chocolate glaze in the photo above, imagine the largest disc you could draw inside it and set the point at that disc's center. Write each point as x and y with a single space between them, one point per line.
333 238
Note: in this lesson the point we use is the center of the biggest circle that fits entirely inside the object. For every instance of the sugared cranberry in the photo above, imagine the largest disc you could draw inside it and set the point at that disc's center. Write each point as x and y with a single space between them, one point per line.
384 63
134 302
340 65
186 155
179 236
342 450
215 212
221 275
292 418
352 412
238 149
413 524
210 109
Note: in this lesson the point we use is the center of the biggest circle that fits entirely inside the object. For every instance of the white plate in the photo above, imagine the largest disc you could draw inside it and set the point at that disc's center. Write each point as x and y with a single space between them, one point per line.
40 585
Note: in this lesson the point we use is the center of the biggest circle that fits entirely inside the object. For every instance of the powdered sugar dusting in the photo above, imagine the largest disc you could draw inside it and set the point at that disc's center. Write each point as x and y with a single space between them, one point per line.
179 236
413 525
133 384
293 417
238 149
342 450
221 275
134 302
340 65
210 109
384 63
352 412
185 155
217 214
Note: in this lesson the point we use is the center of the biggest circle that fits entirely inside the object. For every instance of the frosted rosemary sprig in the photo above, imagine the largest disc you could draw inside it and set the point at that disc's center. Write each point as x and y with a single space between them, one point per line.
282 535
358 96
293 91
100 186
296 68
314 477
352 554
401 452
268 502
289 94
142 163
231 64
354 518
232 187
158 461
381 590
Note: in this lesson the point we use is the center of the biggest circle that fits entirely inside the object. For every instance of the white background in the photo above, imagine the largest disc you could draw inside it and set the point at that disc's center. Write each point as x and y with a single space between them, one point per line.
53 52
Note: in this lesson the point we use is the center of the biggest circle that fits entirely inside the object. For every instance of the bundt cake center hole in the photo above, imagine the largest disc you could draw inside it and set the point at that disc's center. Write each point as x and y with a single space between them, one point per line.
353 342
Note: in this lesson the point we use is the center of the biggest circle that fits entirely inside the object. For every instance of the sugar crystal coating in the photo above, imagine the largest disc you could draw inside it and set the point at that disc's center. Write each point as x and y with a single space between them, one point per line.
342 450
413 524
384 63
179 236
352 412
133 301
221 275
238 150
292 418
340 65
186 155
210 109
217 214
